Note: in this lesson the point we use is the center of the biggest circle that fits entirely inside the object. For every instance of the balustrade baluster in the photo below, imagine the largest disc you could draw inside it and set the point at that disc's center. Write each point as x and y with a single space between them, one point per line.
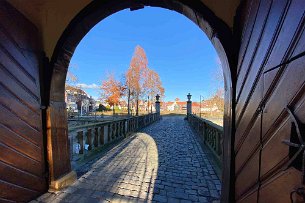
89 139
128 125
95 137
211 134
122 128
109 132
119 129
92 135
80 141
115 130
125 127
131 125
102 135
216 141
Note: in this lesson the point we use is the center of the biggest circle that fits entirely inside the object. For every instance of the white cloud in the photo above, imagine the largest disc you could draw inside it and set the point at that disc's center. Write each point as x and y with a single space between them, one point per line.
88 86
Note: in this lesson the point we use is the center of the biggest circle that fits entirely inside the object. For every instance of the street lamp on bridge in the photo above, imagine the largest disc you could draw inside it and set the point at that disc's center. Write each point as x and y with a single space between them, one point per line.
157 105
189 96
200 105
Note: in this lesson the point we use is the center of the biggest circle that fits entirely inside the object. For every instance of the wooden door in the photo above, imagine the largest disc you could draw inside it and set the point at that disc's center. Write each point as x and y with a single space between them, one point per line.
270 93
22 162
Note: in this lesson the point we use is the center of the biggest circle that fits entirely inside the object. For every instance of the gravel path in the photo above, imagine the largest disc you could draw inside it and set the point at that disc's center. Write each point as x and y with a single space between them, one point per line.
163 163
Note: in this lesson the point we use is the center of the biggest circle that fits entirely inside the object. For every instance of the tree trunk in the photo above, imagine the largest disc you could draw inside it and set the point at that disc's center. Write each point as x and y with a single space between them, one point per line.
148 104
137 107
113 111
128 102
151 105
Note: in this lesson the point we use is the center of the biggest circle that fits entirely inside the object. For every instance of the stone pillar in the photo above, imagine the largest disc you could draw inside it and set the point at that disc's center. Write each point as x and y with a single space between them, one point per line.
189 105
158 108
157 105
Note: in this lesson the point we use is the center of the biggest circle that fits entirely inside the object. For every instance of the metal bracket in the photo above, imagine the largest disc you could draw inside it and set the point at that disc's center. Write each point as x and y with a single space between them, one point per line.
300 146
300 192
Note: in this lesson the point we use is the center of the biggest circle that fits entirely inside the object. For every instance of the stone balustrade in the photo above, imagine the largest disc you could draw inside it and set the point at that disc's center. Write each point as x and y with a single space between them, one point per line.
85 138
211 133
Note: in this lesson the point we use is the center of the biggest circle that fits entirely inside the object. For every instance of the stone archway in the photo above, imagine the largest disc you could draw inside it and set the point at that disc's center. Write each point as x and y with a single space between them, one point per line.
217 31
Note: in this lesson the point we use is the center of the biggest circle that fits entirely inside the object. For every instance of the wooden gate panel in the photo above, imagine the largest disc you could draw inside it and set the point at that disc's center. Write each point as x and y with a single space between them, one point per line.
17 45
249 16
19 160
18 143
247 178
249 197
19 126
251 95
22 164
277 189
22 107
274 152
300 48
291 82
292 21
282 51
25 180
255 45
267 94
15 70
12 193
249 146
253 76
249 117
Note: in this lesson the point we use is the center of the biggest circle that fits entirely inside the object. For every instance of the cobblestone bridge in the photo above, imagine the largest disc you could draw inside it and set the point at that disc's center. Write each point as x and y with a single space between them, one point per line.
162 163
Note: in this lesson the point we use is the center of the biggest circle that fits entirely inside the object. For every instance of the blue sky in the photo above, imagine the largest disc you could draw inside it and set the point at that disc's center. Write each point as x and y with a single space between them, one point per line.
175 47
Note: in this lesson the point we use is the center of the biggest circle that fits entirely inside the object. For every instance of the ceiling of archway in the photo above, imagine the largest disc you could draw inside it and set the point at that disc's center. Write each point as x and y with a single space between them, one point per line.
51 17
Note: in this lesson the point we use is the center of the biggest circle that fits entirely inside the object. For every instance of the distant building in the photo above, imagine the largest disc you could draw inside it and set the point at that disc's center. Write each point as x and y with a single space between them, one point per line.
78 101
123 105
206 106
173 106
209 108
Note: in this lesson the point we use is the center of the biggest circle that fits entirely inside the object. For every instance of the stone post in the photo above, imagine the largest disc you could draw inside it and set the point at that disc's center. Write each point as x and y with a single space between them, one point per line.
189 105
158 105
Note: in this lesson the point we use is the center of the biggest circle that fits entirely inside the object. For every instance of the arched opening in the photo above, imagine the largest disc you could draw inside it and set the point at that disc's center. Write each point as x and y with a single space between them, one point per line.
219 34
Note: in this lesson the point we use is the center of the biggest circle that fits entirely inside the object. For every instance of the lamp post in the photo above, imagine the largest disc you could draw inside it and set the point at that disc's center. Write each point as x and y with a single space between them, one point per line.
189 96
200 105
158 104
189 105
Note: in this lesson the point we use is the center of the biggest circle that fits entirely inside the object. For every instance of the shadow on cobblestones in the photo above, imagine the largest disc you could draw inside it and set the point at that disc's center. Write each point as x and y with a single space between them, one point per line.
184 172
82 168
163 163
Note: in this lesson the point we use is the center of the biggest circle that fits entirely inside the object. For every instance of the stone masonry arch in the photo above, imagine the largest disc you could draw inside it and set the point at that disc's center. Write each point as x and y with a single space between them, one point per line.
217 31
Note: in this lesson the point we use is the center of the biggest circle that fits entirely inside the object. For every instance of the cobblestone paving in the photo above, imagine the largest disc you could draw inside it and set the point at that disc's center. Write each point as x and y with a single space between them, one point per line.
163 163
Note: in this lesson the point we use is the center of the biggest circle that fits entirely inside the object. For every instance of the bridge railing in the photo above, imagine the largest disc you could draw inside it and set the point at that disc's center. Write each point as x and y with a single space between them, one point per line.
211 133
84 139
